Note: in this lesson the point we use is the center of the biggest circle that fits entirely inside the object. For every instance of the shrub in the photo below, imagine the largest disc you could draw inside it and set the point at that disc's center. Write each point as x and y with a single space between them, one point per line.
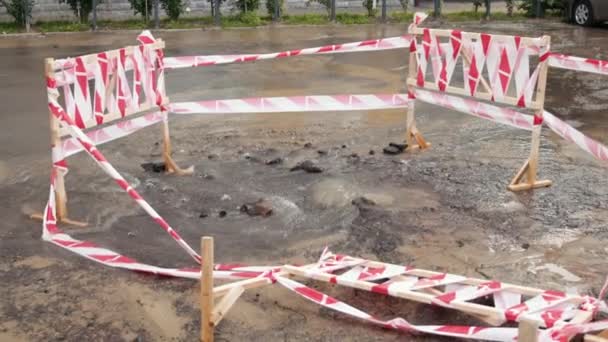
20 10
510 6
369 6
270 7
143 7
325 3
245 6
173 8
553 6
81 8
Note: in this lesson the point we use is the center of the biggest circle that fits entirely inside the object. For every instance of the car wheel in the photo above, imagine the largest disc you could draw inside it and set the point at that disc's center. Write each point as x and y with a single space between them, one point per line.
582 13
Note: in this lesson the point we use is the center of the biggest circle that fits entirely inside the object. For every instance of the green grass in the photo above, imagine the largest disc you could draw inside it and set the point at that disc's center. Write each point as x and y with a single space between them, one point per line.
479 15
252 20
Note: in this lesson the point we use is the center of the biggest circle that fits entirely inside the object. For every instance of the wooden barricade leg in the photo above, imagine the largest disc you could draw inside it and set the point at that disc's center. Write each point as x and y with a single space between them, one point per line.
527 330
413 138
207 325
529 170
170 165
61 198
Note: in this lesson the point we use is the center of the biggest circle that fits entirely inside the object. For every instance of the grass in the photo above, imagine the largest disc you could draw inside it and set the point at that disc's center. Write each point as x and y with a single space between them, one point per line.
251 19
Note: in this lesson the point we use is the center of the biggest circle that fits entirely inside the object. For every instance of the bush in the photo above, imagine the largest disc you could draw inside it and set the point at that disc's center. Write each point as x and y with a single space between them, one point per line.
173 8
325 3
245 6
250 18
554 6
20 10
477 4
140 7
81 8
369 6
270 7
510 6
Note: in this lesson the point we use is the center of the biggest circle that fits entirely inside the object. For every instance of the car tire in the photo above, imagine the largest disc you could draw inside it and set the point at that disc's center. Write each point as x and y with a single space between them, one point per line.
582 13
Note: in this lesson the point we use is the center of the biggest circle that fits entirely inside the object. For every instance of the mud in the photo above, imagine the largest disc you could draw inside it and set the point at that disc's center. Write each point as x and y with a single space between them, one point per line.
444 209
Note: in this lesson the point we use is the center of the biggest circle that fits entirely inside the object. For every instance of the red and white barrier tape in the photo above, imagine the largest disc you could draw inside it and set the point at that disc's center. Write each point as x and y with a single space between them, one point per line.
103 135
569 133
292 104
473 107
595 66
561 333
91 251
367 45
90 148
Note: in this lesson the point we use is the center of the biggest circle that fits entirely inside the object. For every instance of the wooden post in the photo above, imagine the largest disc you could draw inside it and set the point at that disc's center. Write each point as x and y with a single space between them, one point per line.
207 325
60 194
413 138
527 331
530 168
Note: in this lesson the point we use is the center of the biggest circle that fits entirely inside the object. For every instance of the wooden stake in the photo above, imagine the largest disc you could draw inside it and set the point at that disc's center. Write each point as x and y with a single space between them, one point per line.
60 195
530 167
207 325
226 303
528 330
413 138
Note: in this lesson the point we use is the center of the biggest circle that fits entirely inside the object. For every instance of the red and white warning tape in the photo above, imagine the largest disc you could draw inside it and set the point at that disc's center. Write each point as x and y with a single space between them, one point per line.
595 66
103 135
90 148
367 45
91 251
473 107
313 103
596 149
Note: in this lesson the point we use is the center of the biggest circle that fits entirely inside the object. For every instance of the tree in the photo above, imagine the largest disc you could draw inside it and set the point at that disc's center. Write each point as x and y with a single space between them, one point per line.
143 7
247 5
20 10
81 8
270 7
173 8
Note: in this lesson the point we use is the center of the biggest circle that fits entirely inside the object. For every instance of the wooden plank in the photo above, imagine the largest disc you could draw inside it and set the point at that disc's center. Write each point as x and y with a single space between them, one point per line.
226 303
451 90
525 41
92 58
61 210
111 118
207 325
527 330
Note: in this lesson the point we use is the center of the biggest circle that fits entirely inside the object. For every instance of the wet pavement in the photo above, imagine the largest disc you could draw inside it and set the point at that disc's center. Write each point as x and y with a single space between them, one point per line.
443 209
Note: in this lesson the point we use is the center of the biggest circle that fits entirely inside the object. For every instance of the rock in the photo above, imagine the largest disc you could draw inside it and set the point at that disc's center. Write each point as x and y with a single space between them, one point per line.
308 166
130 234
343 146
525 245
208 176
222 213
157 167
274 161
372 152
212 156
401 147
308 145
203 214
359 201
226 197
354 155
391 150
260 208
322 152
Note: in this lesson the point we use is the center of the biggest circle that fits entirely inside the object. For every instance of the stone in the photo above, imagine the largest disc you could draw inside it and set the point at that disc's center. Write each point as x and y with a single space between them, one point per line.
157 167
222 213
259 208
274 161
391 150
308 166
359 201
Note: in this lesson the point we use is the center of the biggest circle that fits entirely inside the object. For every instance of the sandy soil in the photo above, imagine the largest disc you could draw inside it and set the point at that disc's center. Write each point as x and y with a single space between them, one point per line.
444 209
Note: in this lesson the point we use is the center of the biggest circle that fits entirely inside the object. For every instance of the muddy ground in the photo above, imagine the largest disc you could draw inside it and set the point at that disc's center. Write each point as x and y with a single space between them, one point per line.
444 209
